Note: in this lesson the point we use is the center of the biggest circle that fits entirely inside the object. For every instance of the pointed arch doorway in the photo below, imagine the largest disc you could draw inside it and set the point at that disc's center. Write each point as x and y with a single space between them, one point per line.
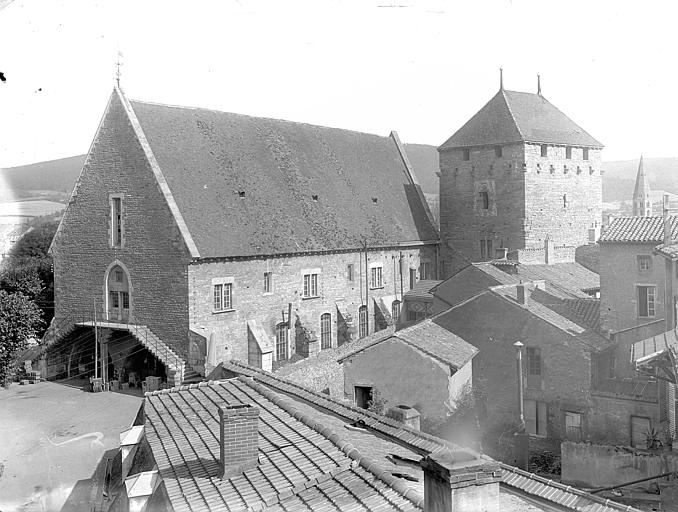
117 294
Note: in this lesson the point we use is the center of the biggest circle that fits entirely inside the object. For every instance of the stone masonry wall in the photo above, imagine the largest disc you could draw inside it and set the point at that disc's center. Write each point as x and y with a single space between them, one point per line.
463 221
153 251
251 303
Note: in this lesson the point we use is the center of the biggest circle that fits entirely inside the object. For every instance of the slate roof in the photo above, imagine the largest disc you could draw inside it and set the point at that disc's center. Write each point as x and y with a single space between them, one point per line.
638 230
432 339
382 436
422 289
512 116
209 158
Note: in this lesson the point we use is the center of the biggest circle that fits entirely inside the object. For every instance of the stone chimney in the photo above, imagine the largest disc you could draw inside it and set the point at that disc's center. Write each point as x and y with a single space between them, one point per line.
666 219
522 293
501 253
239 440
461 482
406 415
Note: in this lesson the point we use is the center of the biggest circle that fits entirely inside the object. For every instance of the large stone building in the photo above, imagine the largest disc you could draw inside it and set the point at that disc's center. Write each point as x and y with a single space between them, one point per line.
206 236
517 175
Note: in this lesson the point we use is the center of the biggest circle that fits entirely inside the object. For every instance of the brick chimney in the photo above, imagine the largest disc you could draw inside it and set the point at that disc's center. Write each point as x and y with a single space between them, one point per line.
522 293
239 426
667 219
461 482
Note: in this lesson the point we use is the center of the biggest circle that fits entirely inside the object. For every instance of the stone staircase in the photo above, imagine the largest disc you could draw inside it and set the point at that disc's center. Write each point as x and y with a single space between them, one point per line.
175 364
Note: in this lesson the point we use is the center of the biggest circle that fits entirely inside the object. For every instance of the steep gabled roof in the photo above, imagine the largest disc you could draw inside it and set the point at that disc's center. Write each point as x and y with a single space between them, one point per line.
253 186
649 230
512 116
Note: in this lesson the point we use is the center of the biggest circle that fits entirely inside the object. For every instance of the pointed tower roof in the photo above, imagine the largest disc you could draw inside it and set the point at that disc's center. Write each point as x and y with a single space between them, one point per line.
512 116
641 193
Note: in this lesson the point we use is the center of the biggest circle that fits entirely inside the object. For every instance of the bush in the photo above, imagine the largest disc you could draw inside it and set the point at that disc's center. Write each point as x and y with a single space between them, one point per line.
544 461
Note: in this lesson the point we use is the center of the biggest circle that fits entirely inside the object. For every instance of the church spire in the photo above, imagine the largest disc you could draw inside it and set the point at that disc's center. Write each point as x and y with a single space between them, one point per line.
642 203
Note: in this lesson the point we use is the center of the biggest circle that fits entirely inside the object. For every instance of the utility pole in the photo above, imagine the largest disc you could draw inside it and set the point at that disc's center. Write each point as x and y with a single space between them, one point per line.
521 438
96 342
367 291
519 362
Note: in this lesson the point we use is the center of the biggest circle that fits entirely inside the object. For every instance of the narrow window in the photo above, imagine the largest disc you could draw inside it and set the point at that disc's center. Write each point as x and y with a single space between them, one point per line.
544 150
116 221
281 342
568 152
535 417
228 298
533 367
573 426
485 200
585 154
125 300
218 294
325 331
646 297
564 200
395 311
268 282
376 277
497 151
310 285
362 322
425 270
349 272
413 277
118 276
466 154
644 263
612 366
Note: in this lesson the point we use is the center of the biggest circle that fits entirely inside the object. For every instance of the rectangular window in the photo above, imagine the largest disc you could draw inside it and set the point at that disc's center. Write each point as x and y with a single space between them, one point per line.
268 282
644 263
125 300
114 299
497 151
544 150
646 297
281 342
325 331
486 249
466 154
535 417
612 366
534 367
349 272
116 221
573 426
425 270
376 278
413 277
564 200
568 152
585 154
395 311
484 200
223 297
362 322
310 285
118 276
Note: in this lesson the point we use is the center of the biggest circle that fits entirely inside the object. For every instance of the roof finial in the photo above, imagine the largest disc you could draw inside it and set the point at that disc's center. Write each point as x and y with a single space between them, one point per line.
117 69
501 79
538 84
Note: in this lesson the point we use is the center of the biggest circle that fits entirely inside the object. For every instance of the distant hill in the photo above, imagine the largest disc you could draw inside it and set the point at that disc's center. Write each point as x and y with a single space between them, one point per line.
54 175
620 177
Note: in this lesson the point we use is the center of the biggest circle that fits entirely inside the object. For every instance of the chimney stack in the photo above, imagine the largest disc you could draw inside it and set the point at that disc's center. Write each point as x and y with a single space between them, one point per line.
549 250
522 293
405 414
239 426
461 482
501 253
667 220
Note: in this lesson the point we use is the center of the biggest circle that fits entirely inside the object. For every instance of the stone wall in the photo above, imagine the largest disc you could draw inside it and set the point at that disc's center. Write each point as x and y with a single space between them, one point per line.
590 465
153 250
610 418
336 294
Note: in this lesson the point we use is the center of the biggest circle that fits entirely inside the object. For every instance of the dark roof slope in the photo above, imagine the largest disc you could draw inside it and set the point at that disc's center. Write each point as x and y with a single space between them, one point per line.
519 117
638 230
426 163
361 186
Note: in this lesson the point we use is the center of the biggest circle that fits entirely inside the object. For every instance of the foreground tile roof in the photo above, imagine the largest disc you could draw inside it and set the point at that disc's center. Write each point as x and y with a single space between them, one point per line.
638 230
422 289
331 188
433 340
512 116
669 251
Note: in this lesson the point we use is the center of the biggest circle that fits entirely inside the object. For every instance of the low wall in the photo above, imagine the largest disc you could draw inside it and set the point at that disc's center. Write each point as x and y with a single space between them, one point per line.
590 465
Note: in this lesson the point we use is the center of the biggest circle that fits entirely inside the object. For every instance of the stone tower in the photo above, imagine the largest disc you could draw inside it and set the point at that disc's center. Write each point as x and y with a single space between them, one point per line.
518 172
642 203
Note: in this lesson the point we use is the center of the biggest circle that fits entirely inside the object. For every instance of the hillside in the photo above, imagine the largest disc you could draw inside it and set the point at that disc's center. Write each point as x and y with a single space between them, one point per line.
53 175
620 177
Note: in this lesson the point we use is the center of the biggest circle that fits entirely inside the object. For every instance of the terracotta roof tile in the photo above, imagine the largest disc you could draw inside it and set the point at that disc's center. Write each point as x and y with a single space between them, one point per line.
638 230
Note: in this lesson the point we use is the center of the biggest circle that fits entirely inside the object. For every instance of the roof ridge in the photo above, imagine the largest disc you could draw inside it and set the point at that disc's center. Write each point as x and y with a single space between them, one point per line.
513 117
346 447
184 387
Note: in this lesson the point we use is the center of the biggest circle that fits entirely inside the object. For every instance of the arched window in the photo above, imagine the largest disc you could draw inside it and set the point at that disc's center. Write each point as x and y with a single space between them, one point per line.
117 285
395 311
362 321
325 331
281 342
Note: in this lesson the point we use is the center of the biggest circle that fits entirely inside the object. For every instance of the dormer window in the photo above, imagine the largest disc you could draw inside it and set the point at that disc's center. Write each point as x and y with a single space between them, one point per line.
466 154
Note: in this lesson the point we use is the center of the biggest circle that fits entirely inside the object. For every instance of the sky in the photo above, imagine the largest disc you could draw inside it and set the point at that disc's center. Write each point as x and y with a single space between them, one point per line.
422 68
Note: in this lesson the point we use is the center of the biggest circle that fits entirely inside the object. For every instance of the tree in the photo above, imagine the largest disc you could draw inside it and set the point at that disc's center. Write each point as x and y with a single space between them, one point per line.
20 318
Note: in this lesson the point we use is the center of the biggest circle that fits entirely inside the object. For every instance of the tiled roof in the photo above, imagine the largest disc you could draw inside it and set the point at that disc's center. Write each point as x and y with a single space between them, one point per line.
564 280
669 251
516 117
422 289
299 458
433 340
514 480
667 341
638 230
304 188
586 311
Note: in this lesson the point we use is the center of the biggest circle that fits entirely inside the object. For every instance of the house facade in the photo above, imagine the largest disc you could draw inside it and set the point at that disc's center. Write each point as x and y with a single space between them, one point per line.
209 236
517 174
